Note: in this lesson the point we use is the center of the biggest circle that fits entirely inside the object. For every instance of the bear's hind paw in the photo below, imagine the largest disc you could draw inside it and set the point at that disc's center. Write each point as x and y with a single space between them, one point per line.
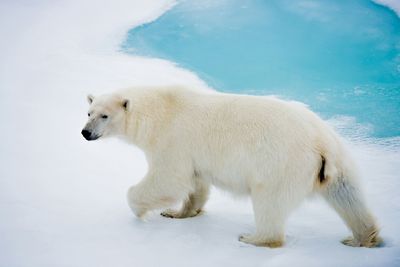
257 241
376 241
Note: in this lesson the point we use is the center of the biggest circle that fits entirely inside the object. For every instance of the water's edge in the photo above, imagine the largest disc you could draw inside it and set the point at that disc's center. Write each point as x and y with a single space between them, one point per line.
318 102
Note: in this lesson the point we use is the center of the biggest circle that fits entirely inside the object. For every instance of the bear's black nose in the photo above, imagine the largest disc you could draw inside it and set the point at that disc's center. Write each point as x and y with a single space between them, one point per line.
86 134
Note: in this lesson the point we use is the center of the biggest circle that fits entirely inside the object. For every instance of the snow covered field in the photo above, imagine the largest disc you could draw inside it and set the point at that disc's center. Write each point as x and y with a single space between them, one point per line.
62 199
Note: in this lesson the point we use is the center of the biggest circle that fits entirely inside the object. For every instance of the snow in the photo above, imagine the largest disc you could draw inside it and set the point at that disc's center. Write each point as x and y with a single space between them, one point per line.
62 199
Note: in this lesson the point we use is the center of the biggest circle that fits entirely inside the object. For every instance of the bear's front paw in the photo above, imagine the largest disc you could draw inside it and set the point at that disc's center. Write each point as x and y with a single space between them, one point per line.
260 242
138 208
138 211
179 214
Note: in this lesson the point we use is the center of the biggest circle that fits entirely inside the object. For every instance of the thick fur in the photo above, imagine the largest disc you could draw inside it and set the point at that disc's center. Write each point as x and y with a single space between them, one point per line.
275 151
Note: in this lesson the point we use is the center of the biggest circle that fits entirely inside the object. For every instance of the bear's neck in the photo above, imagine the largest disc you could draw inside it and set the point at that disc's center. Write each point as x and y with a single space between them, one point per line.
150 118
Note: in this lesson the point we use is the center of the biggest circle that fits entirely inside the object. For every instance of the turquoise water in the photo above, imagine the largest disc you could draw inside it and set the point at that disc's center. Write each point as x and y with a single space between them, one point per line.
340 57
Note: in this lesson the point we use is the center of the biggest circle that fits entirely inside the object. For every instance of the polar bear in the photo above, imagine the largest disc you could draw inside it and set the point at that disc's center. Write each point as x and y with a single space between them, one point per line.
277 152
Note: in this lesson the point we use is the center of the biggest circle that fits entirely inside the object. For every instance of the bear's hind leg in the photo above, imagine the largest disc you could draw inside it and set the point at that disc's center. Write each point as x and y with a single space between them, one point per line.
345 197
270 214
193 204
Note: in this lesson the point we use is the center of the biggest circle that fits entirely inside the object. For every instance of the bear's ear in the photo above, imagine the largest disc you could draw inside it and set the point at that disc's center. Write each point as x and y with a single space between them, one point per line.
125 104
90 98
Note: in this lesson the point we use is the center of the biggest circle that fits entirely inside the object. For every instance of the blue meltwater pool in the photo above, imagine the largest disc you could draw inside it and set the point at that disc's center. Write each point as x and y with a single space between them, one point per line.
340 57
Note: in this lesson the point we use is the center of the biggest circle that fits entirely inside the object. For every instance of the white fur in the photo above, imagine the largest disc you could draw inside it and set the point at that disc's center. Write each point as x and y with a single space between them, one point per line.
264 147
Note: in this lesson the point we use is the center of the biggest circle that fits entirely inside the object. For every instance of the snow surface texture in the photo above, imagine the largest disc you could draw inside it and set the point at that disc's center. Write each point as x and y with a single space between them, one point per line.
62 199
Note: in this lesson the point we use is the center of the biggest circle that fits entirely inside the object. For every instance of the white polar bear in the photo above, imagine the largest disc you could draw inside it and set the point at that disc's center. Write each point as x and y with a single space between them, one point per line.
276 151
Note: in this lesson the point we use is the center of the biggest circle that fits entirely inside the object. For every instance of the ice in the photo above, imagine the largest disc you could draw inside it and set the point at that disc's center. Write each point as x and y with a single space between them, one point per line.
62 199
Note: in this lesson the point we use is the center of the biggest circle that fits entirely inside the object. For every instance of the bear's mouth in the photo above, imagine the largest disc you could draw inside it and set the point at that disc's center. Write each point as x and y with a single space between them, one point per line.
89 135
92 138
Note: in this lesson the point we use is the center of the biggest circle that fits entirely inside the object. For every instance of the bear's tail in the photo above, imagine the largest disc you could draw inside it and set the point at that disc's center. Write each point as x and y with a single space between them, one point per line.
338 184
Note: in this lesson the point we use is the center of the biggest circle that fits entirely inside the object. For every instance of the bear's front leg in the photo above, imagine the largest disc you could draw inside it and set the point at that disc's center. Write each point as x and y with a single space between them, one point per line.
193 204
138 207
157 192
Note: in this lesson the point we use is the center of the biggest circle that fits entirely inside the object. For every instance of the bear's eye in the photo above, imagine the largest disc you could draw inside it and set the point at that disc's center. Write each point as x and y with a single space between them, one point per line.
88 114
104 116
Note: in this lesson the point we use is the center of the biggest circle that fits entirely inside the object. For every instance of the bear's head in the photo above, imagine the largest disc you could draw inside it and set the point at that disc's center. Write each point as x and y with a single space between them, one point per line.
106 116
